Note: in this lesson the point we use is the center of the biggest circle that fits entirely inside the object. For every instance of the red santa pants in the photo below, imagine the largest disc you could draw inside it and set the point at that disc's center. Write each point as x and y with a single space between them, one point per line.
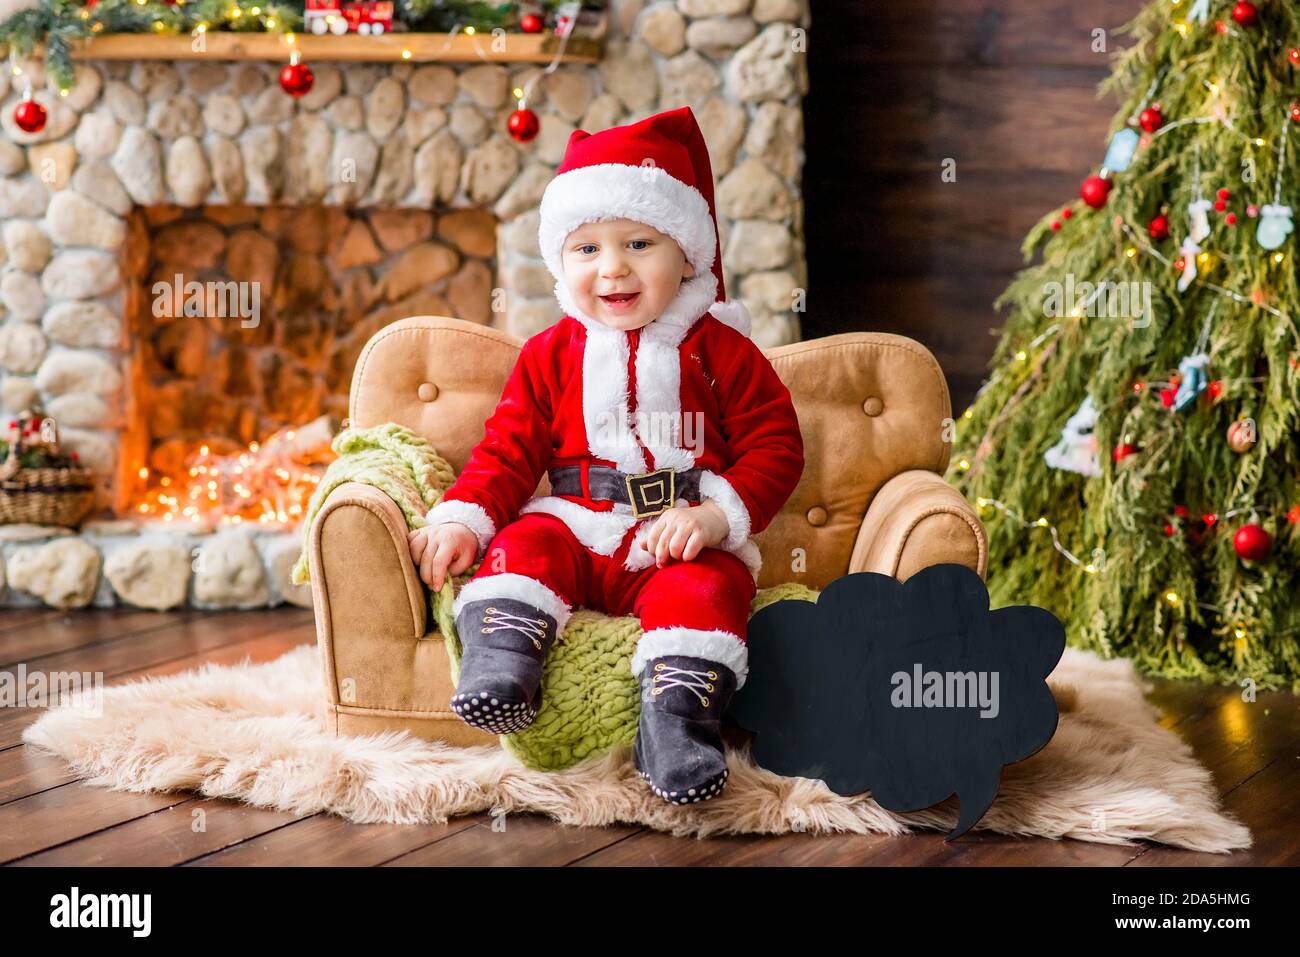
698 607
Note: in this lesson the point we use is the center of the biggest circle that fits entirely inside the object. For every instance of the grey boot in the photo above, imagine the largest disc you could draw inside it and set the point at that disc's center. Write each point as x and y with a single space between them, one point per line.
503 645
679 747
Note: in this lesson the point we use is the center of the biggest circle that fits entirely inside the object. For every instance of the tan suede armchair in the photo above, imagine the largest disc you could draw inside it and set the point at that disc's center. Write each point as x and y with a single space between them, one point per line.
873 408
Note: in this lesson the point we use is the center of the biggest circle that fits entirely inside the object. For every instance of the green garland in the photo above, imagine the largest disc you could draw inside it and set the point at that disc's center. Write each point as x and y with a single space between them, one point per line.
59 24
1166 587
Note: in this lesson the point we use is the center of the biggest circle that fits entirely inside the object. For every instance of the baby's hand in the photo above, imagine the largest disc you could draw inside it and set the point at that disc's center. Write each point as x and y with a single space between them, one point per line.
439 549
684 532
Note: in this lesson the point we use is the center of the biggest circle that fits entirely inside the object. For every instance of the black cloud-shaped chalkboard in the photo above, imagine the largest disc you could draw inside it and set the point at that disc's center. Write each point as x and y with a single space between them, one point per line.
913 690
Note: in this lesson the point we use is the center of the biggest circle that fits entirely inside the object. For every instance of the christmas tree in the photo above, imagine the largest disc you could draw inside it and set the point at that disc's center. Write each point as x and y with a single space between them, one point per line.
1135 450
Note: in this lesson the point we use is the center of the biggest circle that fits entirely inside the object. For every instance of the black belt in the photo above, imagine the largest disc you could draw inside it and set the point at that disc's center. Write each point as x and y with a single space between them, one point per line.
649 493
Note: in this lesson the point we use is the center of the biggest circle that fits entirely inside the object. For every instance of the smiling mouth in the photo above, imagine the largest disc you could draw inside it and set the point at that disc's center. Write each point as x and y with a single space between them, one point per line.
620 298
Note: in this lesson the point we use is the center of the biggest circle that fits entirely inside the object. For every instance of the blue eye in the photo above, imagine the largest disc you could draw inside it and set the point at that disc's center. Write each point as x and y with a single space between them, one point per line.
640 243
587 246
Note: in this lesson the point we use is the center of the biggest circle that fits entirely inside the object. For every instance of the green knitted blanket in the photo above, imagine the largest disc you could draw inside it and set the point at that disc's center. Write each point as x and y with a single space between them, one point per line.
394 460
590 700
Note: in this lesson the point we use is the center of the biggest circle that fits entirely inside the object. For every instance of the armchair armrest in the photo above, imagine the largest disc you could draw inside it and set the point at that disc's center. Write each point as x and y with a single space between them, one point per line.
369 601
916 520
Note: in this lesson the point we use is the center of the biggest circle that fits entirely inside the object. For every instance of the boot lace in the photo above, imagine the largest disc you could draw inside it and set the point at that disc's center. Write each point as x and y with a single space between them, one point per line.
534 628
666 676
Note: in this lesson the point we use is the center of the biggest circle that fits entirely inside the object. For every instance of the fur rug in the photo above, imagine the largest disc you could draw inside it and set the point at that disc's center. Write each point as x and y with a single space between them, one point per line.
251 733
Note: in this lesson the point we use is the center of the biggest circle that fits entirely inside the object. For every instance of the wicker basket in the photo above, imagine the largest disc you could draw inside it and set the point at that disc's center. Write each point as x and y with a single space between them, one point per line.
47 496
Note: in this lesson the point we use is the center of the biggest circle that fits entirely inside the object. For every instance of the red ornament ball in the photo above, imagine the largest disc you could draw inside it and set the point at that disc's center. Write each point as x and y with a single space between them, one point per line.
1124 450
1151 119
1223 194
1159 227
1220 205
30 116
1167 397
1094 191
296 79
1294 56
1294 112
1056 225
1245 13
1252 543
530 23
1067 213
1230 219
523 125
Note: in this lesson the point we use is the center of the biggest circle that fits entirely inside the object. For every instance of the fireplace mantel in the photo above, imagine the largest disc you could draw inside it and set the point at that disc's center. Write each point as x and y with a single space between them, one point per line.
388 48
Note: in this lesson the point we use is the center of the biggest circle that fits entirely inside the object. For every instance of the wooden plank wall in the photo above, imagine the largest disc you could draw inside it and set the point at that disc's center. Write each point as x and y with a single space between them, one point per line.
1006 88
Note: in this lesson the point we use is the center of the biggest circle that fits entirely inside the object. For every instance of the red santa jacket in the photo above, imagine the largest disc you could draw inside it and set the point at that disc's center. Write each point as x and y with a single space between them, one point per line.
677 393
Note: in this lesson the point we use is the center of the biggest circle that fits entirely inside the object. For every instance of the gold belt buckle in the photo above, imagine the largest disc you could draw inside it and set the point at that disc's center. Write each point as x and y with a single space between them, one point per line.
651 492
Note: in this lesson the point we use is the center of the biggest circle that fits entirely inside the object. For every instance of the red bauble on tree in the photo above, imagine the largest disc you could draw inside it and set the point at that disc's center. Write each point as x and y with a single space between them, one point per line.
29 115
1159 227
1094 191
1241 435
1252 543
1245 13
1123 451
296 78
531 23
523 125
1151 119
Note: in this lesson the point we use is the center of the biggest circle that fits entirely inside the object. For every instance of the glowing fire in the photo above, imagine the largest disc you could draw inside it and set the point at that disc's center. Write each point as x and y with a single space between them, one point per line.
270 482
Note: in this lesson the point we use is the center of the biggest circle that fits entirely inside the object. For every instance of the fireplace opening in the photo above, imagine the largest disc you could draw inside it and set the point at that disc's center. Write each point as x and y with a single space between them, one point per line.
245 323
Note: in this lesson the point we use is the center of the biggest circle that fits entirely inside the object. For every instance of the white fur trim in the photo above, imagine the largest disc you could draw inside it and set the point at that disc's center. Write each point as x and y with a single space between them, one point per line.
647 194
605 399
519 588
659 399
733 313
749 553
601 532
716 489
605 403
466 513
712 645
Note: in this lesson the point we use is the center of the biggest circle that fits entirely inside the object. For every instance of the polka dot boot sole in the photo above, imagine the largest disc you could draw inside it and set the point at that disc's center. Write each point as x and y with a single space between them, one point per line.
481 710
710 789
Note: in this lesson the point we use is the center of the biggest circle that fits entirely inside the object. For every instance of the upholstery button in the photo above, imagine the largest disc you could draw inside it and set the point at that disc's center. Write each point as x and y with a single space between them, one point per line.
873 405
816 515
427 392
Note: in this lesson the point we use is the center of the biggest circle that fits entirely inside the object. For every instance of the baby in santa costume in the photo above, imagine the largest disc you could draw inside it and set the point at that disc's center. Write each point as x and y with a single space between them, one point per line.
668 440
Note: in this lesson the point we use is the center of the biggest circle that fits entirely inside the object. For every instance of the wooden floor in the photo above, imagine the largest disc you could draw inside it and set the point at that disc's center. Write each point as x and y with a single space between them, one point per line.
47 817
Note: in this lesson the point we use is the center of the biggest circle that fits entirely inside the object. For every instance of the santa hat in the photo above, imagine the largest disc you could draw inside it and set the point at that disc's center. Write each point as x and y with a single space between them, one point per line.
656 172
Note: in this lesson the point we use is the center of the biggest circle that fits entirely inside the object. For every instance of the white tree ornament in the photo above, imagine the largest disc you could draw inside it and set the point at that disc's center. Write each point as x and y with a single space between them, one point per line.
1077 449
1275 225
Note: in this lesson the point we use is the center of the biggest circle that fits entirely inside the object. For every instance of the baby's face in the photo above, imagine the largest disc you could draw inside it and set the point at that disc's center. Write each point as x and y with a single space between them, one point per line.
623 273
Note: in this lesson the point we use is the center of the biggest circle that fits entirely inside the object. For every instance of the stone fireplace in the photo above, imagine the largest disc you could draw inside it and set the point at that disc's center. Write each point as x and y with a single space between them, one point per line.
193 260
246 321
